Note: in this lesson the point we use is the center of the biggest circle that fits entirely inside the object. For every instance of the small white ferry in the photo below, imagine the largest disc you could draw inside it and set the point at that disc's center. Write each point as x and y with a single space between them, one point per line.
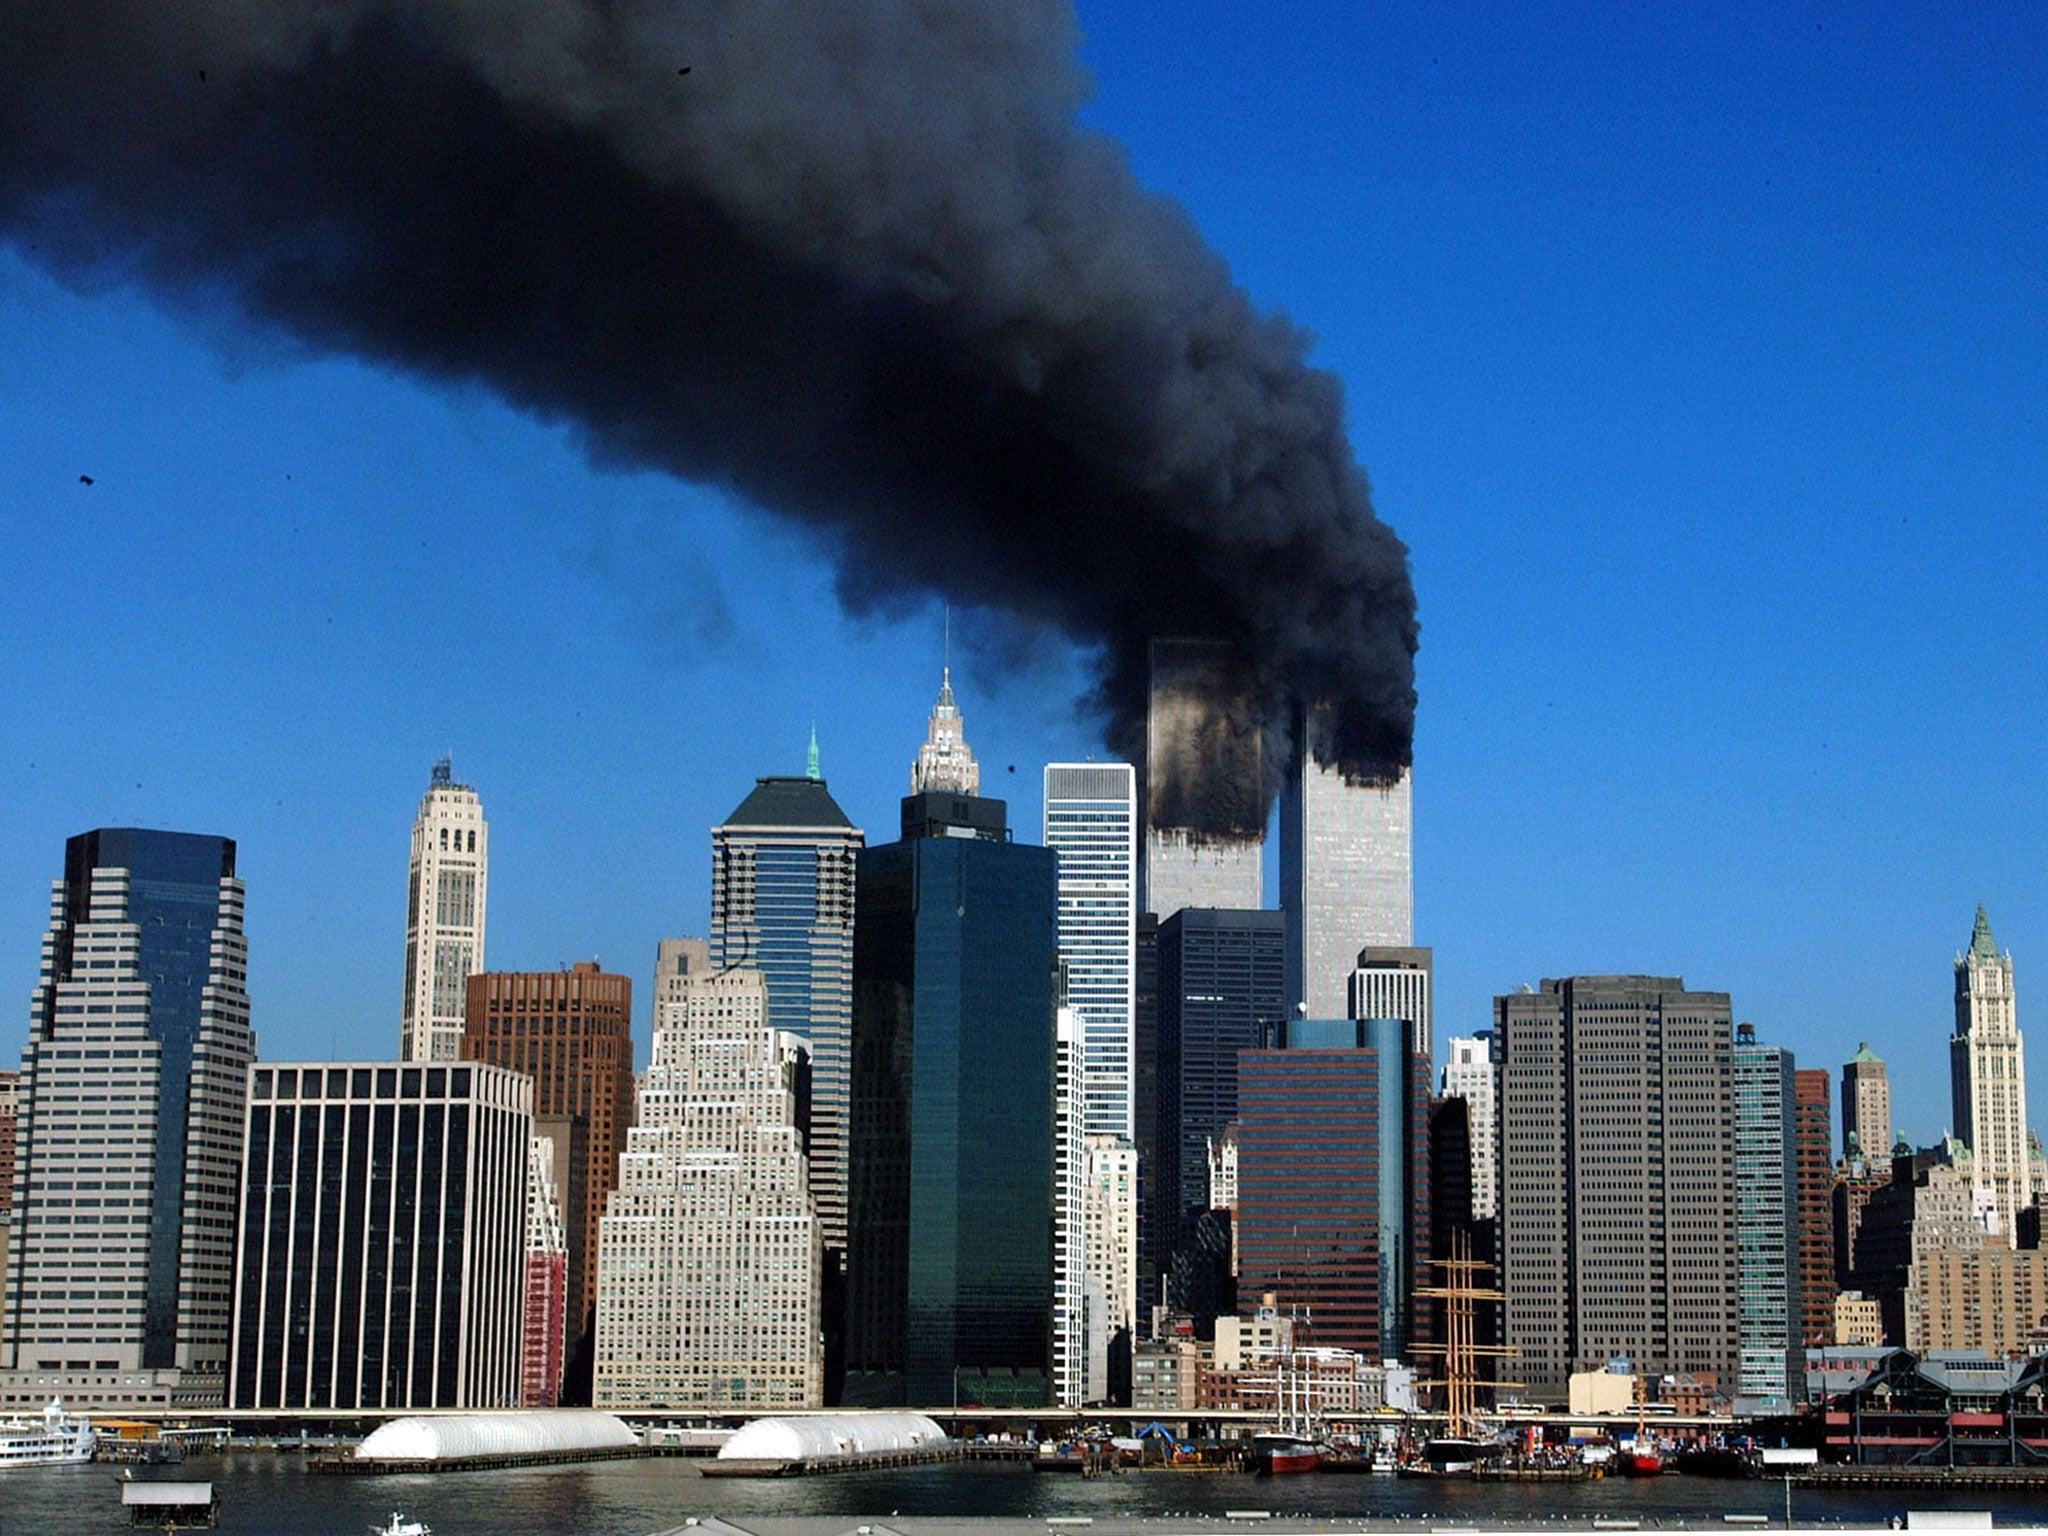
399 1525
48 1441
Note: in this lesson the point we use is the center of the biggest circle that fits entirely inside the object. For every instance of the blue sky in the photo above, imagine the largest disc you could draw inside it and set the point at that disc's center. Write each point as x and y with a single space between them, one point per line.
1696 352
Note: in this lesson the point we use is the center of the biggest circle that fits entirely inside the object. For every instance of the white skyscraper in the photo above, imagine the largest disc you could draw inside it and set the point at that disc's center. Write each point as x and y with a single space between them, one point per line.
128 1154
1183 870
444 918
1347 876
1071 1324
1987 1075
710 1251
1222 1152
945 761
1112 1225
1389 983
1470 1073
1091 822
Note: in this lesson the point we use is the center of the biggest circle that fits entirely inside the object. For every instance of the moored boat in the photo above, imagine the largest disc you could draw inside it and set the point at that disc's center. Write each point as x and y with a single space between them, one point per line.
1354 1458
1716 1461
1458 1453
1537 1472
1284 1455
50 1440
1283 1461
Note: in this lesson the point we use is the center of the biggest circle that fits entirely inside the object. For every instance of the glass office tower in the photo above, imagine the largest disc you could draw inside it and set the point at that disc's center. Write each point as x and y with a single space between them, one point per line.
1767 1226
132 1080
1333 1184
949 1271
383 1255
782 893
1221 991
1091 822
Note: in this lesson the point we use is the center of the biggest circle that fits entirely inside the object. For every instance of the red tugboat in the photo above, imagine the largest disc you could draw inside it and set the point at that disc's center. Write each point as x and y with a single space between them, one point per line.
1641 1462
1642 1458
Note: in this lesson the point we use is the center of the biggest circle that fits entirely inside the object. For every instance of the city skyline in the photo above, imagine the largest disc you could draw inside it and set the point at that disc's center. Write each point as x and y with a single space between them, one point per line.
1680 425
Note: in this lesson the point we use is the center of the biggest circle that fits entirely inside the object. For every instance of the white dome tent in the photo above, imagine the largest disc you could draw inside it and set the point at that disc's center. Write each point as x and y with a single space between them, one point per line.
549 1434
829 1437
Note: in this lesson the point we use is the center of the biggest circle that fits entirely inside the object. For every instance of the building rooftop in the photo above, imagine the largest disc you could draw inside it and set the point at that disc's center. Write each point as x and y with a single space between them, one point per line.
1982 945
789 802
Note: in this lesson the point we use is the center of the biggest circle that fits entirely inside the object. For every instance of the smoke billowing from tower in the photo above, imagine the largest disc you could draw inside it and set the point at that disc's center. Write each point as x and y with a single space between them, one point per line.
857 263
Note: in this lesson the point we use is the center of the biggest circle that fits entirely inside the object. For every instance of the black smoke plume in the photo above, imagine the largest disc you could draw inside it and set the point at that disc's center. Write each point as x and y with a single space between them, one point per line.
855 261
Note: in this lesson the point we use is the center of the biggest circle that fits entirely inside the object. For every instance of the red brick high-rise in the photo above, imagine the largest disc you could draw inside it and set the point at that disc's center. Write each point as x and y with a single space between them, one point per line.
1333 1168
1812 1131
571 1032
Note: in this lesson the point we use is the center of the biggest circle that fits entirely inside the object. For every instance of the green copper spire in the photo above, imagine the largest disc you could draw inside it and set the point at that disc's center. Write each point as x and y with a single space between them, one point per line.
811 758
1981 943
1865 1056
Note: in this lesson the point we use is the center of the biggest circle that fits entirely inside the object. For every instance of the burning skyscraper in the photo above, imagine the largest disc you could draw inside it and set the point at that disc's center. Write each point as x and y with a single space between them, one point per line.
1205 789
1347 868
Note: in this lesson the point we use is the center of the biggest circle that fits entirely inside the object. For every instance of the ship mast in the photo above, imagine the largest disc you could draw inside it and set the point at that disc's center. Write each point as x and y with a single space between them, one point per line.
1460 1293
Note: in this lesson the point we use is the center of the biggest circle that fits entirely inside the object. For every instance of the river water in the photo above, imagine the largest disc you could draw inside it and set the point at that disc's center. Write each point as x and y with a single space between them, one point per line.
265 1493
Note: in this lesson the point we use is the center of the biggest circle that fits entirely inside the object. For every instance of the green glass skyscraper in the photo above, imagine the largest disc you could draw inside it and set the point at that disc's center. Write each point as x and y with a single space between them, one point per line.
949 1272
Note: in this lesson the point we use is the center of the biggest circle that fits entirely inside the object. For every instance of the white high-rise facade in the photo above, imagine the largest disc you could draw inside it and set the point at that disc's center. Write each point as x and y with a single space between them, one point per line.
1112 1225
1866 1106
1987 1075
1389 983
1347 874
711 1251
1184 870
1072 1326
1222 1156
444 917
120 1280
1091 822
1470 1073
945 761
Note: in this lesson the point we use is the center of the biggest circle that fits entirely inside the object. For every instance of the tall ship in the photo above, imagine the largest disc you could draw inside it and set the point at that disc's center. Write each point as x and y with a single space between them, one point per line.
1466 1440
54 1438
